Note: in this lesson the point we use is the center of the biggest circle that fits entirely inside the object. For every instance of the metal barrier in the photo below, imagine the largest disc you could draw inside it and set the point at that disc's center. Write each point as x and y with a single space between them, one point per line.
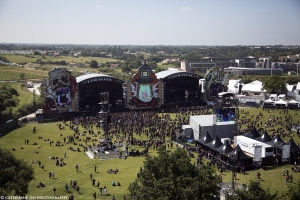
107 155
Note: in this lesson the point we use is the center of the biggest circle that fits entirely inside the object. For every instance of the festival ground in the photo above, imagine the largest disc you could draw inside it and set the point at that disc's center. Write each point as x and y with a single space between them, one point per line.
271 178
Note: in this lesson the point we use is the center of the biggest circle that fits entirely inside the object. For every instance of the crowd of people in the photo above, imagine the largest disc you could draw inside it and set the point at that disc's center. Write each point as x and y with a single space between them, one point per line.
151 129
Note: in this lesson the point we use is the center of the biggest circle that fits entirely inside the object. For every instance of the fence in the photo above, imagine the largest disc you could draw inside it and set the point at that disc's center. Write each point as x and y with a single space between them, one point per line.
106 155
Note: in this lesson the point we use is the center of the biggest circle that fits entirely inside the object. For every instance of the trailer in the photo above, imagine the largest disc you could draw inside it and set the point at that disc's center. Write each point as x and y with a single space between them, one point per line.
251 145
282 97
273 97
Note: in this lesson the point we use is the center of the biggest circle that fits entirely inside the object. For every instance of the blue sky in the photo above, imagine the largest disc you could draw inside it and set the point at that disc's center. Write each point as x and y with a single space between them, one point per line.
151 22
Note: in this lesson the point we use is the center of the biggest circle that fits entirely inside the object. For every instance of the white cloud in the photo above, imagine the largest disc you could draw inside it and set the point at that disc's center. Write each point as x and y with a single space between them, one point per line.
185 9
98 6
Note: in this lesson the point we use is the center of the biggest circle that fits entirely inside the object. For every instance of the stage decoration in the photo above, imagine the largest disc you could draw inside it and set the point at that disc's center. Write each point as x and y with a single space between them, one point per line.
59 91
216 81
144 88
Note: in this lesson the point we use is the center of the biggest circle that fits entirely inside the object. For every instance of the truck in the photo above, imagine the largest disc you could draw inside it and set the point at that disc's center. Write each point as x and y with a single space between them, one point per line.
29 84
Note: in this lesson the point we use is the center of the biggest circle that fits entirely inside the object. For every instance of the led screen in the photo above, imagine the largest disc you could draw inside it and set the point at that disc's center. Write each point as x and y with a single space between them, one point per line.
144 93
225 114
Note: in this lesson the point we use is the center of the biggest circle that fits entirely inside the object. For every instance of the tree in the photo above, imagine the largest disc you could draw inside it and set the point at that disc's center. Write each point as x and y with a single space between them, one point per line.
15 174
94 64
22 76
172 176
255 191
36 53
274 84
293 192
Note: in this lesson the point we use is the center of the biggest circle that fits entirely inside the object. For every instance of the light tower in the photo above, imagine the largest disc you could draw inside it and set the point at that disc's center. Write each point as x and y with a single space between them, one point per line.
104 112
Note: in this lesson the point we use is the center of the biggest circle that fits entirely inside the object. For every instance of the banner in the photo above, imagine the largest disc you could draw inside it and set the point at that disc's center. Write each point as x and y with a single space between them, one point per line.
257 153
286 151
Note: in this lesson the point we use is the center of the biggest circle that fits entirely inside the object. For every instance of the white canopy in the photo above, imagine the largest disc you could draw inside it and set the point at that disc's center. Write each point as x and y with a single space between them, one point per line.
255 86
269 101
293 102
280 102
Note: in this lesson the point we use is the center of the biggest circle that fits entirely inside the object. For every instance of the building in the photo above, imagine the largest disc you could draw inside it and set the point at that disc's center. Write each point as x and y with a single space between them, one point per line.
202 124
201 65
253 71
265 59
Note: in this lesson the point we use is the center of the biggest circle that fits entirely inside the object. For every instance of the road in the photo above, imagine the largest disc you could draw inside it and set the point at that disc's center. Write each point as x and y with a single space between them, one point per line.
36 87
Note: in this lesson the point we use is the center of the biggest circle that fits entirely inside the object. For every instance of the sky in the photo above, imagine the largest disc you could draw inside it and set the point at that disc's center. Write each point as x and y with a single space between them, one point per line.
151 22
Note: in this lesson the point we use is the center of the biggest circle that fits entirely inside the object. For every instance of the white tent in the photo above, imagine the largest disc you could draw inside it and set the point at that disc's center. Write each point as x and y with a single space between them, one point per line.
253 87
269 102
233 86
293 102
281 102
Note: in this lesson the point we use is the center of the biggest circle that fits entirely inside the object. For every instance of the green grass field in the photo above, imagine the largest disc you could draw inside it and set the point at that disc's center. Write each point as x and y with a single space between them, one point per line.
271 178
25 96
127 168
21 58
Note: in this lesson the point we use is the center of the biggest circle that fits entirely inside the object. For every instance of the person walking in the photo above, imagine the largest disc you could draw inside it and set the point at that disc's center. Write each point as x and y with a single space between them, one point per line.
95 168
94 195
67 188
76 167
54 191
105 190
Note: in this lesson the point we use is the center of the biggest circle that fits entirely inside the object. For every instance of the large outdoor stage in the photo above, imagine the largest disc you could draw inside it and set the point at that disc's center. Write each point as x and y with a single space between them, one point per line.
90 87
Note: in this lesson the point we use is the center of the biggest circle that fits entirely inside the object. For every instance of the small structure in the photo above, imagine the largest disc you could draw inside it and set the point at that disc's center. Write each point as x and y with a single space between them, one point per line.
273 97
293 104
269 103
281 104
205 123
282 97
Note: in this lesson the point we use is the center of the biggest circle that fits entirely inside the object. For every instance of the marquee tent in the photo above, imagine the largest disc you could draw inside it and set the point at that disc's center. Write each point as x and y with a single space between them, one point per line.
293 102
253 87
205 139
277 140
253 134
216 143
225 148
281 102
239 154
264 137
294 148
269 101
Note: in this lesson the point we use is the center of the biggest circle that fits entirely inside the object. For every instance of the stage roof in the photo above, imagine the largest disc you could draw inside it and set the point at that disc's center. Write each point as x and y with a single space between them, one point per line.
167 73
90 76
208 120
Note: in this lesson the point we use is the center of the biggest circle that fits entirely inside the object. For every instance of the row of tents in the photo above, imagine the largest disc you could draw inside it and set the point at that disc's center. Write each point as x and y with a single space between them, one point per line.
223 148
281 103
275 142
237 153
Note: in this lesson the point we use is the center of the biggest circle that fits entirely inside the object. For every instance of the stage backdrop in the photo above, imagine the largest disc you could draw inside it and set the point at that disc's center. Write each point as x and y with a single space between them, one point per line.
144 90
59 91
